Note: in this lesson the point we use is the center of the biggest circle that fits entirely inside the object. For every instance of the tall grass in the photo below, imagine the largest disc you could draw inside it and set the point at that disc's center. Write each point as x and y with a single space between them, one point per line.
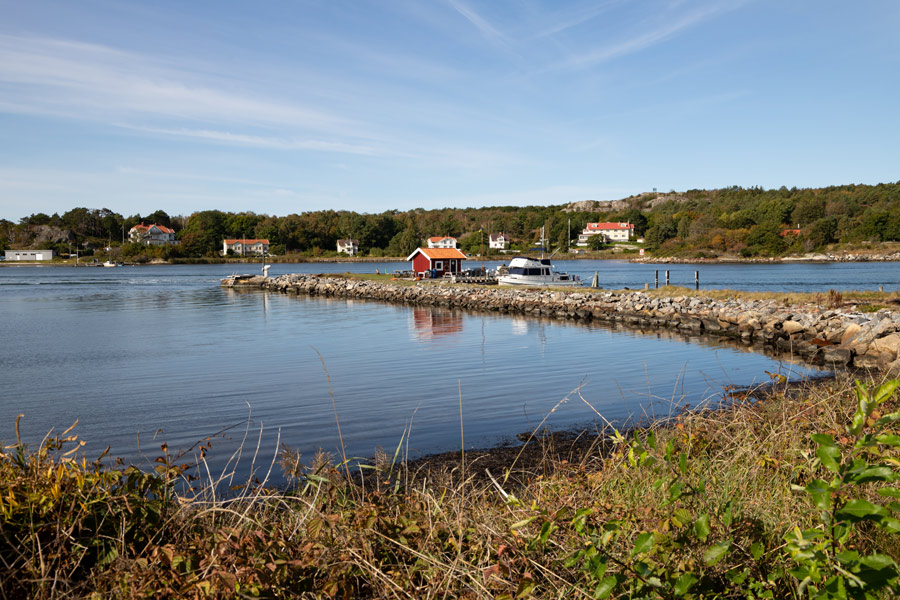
697 507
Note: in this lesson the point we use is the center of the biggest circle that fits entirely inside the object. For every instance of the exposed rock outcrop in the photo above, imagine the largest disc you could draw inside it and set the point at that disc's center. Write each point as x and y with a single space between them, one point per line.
48 234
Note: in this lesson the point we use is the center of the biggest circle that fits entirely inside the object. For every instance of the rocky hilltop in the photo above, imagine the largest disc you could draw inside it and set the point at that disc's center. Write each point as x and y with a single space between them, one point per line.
829 337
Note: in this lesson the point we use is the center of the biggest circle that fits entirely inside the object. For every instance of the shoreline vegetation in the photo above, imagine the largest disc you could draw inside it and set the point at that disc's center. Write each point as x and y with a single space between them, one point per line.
784 491
868 253
726 224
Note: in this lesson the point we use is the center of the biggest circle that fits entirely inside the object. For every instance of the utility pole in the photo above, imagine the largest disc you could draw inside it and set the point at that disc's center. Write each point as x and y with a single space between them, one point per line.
482 251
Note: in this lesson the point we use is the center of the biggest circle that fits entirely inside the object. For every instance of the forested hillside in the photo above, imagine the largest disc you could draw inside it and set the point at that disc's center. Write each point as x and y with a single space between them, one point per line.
732 221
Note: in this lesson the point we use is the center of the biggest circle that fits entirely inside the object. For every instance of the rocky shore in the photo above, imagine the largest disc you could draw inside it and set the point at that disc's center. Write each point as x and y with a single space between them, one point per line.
810 257
812 333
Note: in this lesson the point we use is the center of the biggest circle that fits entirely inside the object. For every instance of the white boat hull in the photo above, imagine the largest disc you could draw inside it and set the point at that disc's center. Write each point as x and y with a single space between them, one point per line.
533 281
535 272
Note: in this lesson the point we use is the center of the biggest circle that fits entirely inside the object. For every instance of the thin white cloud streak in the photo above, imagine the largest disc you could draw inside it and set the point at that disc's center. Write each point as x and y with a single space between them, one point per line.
488 31
579 18
645 40
79 81
157 174
421 154
69 78
255 141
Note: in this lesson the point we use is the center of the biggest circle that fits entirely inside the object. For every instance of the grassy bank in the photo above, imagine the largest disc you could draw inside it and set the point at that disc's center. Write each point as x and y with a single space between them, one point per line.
785 496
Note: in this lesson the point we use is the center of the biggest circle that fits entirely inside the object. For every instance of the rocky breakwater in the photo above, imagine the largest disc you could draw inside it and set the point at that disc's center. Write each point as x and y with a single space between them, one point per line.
830 337
809 257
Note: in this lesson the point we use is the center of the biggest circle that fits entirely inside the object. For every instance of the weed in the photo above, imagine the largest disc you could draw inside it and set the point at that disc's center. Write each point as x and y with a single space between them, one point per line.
703 506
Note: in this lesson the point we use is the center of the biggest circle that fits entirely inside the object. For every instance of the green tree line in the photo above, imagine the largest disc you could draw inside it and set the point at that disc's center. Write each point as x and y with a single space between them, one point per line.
735 220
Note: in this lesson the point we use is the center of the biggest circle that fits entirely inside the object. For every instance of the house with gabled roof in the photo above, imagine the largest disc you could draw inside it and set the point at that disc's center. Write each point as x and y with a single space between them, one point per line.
612 232
436 262
498 241
243 247
348 246
442 242
152 235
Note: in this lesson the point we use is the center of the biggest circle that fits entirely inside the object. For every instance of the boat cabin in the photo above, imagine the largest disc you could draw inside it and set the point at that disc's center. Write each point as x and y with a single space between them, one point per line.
436 262
529 266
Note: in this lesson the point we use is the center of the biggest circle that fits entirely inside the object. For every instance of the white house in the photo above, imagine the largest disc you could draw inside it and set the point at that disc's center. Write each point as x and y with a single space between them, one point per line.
246 247
498 241
29 255
612 232
442 242
152 235
348 246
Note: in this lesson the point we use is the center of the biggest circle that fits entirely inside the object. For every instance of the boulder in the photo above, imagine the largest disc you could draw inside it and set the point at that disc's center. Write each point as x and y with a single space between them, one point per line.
792 327
889 343
850 332
833 355
893 369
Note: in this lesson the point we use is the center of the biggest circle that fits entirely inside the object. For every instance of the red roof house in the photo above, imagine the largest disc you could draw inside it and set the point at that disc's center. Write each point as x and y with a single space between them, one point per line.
243 247
434 262
152 235
614 232
442 242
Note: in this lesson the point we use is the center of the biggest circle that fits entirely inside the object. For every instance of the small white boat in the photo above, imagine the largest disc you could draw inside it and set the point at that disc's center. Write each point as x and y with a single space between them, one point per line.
110 263
536 272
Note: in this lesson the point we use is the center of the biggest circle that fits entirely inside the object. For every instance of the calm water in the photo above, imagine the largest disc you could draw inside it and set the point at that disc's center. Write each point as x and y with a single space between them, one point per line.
617 274
144 354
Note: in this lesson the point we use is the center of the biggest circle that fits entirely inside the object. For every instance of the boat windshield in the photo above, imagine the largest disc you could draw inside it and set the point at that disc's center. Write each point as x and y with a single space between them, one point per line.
528 271
524 271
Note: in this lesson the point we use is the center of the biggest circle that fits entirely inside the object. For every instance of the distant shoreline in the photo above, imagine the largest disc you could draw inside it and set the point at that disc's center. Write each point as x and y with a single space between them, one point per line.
823 258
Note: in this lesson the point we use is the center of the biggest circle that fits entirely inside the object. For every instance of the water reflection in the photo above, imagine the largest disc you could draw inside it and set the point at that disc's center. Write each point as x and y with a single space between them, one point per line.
177 352
427 324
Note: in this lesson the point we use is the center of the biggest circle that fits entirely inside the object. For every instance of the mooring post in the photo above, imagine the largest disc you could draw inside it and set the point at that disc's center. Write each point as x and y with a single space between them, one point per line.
656 278
667 278
696 280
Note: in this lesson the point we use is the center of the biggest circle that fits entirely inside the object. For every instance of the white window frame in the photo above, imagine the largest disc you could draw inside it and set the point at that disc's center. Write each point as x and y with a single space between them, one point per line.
438 265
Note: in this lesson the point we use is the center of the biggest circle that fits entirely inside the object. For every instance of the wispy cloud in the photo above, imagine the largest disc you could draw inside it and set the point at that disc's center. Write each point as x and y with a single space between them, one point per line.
88 81
488 31
648 38
256 141
579 16
189 176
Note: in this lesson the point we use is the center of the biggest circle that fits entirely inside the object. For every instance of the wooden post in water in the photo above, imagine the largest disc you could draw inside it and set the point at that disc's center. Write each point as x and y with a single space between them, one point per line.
656 278
667 278
696 280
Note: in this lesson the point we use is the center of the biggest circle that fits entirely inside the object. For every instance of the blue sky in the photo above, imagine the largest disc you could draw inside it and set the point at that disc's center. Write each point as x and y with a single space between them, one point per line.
280 107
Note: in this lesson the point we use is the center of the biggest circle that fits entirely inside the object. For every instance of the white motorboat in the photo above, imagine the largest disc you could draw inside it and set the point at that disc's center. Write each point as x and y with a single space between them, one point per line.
536 272
110 263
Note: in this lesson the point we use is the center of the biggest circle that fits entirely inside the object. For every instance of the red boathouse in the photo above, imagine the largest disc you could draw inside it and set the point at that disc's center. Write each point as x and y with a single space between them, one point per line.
434 262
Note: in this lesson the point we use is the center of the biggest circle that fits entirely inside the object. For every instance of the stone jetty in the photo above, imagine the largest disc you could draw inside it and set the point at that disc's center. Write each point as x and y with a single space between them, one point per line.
812 257
812 333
